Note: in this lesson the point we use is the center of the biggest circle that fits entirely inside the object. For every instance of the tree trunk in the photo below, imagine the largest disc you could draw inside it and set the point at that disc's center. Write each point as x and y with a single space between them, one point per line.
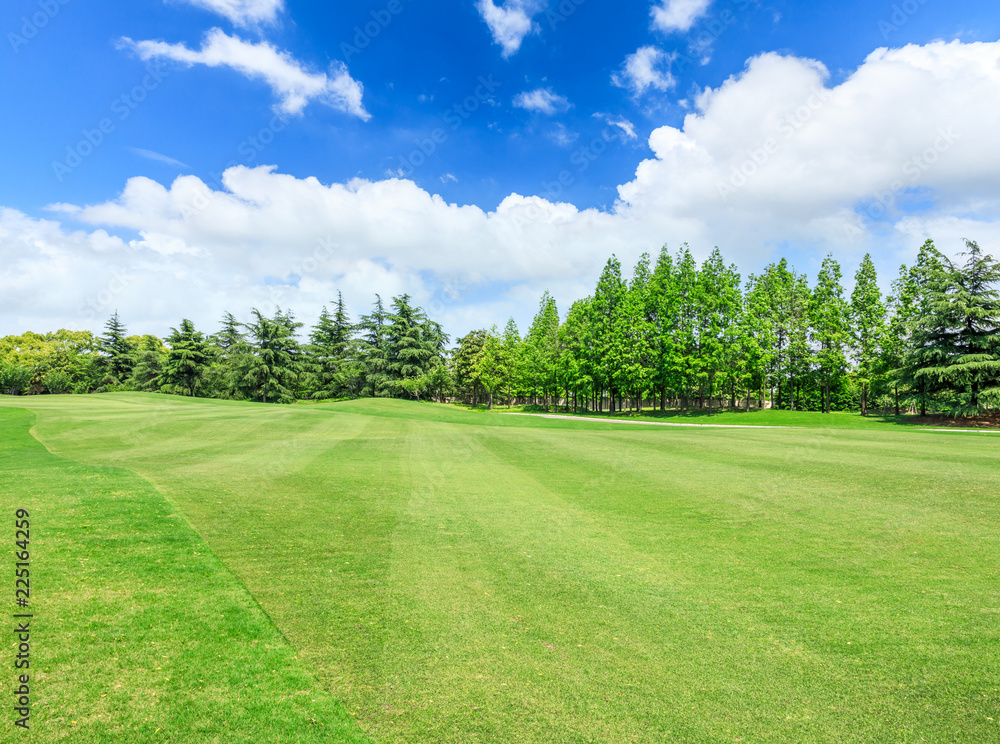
489 407
896 391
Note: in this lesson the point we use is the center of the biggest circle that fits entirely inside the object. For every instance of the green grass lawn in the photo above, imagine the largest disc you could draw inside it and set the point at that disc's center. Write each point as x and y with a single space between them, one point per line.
455 576
767 417
139 632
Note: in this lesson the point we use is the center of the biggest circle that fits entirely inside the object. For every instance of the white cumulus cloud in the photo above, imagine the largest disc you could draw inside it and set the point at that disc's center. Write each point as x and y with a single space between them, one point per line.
678 15
542 100
290 81
775 161
510 22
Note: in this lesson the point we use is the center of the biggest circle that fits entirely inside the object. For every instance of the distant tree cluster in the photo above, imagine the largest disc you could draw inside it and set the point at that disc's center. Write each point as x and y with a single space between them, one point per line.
390 352
675 335
682 335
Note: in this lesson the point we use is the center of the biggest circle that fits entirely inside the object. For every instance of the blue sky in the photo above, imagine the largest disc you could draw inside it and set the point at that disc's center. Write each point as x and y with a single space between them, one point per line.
472 101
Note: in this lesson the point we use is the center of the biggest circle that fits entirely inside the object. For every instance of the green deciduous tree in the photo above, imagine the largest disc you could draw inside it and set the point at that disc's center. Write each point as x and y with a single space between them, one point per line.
867 315
606 319
719 310
463 362
830 330
490 366
541 351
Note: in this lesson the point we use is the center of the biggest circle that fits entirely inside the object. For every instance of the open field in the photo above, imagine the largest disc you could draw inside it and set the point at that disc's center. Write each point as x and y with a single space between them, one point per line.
769 417
453 576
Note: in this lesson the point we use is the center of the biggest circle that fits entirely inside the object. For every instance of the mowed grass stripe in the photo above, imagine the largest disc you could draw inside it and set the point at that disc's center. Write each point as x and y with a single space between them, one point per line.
465 577
140 633
789 590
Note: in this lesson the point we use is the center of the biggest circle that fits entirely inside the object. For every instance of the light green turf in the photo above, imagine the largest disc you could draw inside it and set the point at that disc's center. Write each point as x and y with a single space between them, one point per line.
768 417
457 576
139 633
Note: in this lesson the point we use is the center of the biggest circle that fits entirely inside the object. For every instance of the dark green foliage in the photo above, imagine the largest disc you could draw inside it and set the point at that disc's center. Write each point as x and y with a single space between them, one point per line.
230 334
117 351
540 353
148 371
269 364
954 343
187 361
14 378
830 325
374 352
408 344
333 354
463 363
868 322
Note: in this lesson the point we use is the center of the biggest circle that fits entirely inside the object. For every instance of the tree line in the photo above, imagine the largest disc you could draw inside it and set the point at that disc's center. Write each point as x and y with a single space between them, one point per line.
392 351
681 335
675 334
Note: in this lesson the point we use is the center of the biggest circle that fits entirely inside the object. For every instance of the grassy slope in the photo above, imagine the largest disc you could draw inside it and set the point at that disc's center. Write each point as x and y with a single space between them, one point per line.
464 577
140 634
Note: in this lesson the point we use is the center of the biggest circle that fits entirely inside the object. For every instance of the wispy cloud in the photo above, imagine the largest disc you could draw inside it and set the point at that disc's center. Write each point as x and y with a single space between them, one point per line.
242 12
158 157
627 128
542 100
291 82
563 136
